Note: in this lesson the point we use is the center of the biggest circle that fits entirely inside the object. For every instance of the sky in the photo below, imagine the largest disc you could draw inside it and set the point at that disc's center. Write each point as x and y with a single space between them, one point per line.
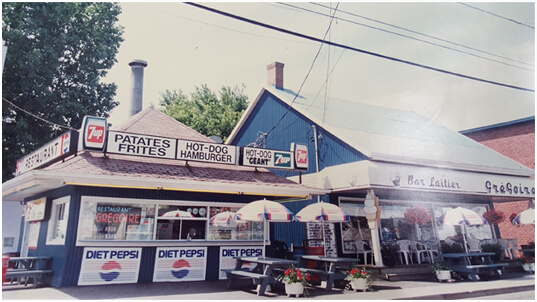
186 47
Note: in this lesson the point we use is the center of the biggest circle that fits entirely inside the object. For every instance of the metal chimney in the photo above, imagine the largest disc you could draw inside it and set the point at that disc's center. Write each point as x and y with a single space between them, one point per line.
137 67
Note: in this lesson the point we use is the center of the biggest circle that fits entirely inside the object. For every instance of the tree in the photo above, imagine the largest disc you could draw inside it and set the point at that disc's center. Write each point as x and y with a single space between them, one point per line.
57 54
204 111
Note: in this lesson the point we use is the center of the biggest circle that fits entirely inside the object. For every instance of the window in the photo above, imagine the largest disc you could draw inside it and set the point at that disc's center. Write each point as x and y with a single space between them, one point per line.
9 242
121 219
117 221
59 216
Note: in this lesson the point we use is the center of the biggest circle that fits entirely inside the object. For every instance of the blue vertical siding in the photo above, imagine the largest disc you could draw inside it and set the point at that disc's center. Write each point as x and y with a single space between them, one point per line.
293 127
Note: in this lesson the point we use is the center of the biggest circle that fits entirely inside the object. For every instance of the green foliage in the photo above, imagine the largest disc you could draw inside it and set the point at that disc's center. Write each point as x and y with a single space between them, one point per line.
204 111
389 254
57 55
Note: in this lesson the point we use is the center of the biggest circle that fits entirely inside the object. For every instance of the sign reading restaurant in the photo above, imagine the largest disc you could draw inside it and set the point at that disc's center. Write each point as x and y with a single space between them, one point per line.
58 148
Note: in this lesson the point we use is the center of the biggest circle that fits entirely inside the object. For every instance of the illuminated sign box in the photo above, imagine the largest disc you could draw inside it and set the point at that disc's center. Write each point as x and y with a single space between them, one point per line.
178 264
110 266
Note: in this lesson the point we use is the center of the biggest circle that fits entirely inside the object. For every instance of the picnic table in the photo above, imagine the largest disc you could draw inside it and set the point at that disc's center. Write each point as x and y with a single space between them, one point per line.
263 274
473 264
329 268
23 269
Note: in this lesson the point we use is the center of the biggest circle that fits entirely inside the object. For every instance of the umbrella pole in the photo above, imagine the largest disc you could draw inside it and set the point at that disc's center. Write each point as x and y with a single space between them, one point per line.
464 237
324 239
265 230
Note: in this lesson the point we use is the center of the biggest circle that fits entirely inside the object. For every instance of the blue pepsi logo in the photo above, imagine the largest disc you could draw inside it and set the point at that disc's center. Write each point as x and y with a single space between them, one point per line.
180 269
111 270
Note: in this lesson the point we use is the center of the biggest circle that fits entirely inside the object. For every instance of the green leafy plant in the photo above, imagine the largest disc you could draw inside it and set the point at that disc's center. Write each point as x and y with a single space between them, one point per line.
389 254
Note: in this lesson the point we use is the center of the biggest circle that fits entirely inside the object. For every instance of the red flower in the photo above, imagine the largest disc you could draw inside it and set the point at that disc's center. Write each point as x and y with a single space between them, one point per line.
493 216
288 271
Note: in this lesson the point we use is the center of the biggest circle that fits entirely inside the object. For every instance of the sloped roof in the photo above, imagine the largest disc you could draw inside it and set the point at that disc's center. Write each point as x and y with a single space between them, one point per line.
96 168
388 134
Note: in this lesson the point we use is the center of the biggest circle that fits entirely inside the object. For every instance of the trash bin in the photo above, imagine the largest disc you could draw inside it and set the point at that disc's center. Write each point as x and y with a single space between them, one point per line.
314 250
5 266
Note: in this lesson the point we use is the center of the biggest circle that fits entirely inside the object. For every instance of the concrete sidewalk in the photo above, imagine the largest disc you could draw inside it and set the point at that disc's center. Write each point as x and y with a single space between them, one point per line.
217 290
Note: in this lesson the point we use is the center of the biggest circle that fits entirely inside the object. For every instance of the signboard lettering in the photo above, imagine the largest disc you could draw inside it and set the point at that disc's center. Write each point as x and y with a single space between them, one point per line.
110 266
143 145
509 188
227 254
266 158
94 133
180 264
206 152
56 149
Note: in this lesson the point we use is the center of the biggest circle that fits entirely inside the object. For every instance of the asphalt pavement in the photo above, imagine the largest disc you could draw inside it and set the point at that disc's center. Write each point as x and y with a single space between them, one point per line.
245 290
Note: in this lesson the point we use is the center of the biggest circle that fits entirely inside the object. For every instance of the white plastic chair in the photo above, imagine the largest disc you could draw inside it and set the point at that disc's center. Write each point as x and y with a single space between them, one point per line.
404 250
474 245
513 247
420 250
506 249
360 249
434 248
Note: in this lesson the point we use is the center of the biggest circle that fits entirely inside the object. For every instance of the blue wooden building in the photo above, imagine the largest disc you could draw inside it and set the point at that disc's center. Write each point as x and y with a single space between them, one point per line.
374 157
132 212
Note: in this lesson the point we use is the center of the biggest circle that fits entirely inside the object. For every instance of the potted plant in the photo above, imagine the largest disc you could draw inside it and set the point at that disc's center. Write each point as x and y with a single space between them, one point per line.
442 271
359 279
528 264
295 281
417 216
494 217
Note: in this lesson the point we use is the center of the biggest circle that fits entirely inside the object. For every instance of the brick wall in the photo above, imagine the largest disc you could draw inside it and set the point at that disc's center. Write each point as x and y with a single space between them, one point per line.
516 141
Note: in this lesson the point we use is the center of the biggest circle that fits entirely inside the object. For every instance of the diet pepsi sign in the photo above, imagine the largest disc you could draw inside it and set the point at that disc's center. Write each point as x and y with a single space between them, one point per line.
94 133
228 254
110 266
179 264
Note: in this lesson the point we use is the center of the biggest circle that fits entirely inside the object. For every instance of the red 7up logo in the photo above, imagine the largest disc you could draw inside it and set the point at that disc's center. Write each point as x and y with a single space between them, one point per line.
95 134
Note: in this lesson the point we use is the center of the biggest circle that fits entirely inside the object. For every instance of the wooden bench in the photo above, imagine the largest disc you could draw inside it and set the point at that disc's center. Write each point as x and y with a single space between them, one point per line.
473 271
258 279
25 274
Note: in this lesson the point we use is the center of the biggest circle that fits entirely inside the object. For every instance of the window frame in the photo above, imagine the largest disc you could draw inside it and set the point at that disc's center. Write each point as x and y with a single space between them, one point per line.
57 204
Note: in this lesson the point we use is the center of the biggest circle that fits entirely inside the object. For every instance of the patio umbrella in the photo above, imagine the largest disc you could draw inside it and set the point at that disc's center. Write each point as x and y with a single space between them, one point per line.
322 212
525 217
264 210
224 219
463 217
177 214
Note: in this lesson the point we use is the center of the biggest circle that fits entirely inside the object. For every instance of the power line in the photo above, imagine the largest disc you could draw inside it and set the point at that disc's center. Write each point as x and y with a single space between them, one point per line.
305 78
429 36
37 117
496 15
416 39
355 49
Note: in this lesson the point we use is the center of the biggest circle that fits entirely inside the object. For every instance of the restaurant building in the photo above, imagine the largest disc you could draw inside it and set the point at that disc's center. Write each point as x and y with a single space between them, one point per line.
379 164
516 140
133 203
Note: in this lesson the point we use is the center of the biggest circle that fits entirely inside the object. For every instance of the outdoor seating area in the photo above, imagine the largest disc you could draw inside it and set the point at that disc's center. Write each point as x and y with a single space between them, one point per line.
266 271
22 270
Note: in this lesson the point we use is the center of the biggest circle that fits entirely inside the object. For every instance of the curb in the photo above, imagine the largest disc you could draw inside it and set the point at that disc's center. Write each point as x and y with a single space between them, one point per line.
472 294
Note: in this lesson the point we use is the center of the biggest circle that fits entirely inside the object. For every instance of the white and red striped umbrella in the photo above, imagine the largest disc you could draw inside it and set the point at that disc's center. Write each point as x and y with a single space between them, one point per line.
224 219
177 214
462 216
264 210
322 211
525 217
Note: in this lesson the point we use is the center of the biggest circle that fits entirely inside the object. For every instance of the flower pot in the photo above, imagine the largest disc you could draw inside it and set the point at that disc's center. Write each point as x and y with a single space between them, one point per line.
443 275
529 267
359 284
296 289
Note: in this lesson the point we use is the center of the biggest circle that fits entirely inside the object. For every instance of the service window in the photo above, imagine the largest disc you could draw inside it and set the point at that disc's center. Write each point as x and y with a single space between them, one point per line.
116 221
181 222
231 229
59 216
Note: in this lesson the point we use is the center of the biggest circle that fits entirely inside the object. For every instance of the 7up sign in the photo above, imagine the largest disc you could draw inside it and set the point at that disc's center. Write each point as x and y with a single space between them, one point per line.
266 158
94 133
282 160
